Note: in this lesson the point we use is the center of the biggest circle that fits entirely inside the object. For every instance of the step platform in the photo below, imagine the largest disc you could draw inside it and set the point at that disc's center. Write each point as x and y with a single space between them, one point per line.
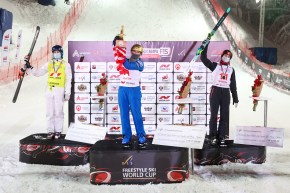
36 149
111 164
234 153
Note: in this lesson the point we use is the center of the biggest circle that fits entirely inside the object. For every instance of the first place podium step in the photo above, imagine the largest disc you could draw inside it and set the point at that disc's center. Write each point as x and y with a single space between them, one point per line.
111 164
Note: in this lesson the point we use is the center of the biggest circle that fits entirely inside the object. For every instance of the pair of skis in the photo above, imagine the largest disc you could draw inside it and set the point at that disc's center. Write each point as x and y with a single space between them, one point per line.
206 41
27 61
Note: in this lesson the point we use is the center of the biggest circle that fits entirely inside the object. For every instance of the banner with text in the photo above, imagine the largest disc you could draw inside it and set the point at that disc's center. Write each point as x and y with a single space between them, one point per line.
165 68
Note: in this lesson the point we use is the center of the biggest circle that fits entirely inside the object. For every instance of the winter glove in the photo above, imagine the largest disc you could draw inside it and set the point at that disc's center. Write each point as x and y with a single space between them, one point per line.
236 104
20 73
27 65
66 97
118 37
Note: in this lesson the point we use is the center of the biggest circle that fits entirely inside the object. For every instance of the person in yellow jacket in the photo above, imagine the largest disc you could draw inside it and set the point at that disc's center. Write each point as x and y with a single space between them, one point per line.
58 90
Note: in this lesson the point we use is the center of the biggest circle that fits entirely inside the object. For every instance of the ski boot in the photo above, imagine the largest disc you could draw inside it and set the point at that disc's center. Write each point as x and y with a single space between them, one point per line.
57 135
213 141
142 144
126 143
50 135
222 142
207 140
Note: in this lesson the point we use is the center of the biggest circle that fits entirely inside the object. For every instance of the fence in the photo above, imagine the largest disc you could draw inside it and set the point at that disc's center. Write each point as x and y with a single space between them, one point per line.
9 73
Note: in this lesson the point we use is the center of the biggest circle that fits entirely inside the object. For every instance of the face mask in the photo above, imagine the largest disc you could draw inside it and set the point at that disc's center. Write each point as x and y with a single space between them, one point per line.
226 59
57 56
135 56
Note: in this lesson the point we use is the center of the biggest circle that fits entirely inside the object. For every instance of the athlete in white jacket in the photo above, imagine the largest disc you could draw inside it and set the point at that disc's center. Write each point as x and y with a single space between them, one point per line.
58 90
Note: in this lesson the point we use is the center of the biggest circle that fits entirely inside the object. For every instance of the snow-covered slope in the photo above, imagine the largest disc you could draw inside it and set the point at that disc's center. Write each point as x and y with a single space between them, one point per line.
143 20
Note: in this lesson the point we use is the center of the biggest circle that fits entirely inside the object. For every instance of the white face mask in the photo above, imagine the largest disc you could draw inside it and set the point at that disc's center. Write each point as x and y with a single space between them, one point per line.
226 59
57 56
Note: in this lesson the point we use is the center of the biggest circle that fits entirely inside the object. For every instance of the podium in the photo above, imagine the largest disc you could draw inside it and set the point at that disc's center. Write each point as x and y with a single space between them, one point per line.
111 164
36 149
233 153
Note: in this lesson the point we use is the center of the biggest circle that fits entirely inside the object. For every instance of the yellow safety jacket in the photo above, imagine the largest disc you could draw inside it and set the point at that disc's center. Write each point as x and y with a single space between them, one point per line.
56 74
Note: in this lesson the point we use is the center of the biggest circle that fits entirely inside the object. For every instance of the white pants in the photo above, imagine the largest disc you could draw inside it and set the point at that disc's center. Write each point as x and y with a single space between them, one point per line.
54 109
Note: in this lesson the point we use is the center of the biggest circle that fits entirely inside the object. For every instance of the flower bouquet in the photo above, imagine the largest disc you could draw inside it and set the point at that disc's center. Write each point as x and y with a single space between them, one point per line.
256 90
184 90
102 88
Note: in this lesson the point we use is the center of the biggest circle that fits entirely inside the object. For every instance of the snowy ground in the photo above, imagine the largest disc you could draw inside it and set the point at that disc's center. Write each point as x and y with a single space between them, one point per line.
177 20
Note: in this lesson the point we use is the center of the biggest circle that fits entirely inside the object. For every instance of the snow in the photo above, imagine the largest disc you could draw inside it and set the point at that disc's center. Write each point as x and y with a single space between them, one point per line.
154 20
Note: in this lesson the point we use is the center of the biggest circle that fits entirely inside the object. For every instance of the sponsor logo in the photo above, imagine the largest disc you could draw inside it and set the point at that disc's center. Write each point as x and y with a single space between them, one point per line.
197 77
147 87
164 67
128 161
78 107
81 98
82 78
113 98
180 77
82 87
177 66
115 128
165 78
164 97
115 108
148 108
114 87
52 74
82 118
164 119
177 175
182 53
95 77
115 119
81 67
162 52
164 109
99 119
100 177
114 76
77 54
181 120
161 88
111 66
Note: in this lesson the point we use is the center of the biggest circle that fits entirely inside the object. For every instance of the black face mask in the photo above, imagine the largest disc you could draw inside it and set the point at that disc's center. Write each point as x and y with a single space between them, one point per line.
135 57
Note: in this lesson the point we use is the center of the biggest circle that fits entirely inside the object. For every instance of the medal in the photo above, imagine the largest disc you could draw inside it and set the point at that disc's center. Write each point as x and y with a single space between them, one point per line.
224 74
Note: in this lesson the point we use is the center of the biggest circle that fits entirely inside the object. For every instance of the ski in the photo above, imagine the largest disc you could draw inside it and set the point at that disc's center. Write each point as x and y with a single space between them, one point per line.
27 60
206 41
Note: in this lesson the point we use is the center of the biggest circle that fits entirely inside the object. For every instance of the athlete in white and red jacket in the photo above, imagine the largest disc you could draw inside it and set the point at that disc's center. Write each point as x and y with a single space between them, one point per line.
224 82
